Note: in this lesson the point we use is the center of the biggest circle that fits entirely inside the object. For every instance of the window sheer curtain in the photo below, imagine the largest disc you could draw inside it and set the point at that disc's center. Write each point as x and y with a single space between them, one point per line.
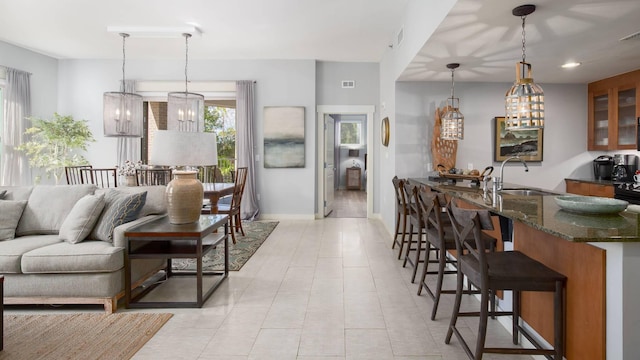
245 116
128 148
17 108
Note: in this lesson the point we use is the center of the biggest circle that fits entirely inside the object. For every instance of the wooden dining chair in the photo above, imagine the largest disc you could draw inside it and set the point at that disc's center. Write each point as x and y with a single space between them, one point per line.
403 210
233 209
501 270
73 174
145 177
104 178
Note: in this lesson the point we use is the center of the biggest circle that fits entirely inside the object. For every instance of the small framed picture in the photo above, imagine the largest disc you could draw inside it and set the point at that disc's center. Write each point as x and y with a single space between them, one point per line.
525 143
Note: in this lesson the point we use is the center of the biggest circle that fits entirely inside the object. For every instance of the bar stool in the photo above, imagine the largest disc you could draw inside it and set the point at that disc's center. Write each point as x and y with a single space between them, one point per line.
416 223
402 211
441 240
504 270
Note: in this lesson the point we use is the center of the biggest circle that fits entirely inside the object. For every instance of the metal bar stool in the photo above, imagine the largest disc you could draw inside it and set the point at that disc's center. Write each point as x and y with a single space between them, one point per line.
503 270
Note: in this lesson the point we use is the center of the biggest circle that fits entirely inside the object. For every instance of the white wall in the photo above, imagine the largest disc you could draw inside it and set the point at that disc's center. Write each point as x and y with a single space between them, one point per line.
329 76
564 135
44 76
283 192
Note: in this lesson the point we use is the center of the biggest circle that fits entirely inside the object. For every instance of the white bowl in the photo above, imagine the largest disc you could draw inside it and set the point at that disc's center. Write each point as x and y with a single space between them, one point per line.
591 204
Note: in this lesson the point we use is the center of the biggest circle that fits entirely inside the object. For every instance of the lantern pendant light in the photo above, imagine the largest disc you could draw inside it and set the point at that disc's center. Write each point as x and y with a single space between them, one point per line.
185 110
453 121
524 102
122 111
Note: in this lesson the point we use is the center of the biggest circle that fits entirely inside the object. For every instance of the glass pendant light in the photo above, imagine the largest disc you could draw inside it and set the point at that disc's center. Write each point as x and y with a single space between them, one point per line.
524 102
185 110
122 111
453 121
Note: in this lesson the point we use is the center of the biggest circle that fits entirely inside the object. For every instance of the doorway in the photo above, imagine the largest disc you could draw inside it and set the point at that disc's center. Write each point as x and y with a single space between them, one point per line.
348 166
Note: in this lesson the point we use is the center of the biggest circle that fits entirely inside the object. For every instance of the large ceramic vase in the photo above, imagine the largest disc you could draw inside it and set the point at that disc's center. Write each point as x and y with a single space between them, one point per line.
184 197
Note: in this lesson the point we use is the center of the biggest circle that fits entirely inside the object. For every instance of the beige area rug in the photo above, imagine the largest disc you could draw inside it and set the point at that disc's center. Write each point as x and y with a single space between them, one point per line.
78 336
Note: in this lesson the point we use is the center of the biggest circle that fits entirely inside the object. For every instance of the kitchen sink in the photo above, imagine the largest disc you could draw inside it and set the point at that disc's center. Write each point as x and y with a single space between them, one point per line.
526 192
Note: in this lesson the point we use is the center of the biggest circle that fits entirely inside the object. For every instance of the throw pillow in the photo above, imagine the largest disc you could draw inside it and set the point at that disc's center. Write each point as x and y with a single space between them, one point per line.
10 213
83 216
119 208
3 193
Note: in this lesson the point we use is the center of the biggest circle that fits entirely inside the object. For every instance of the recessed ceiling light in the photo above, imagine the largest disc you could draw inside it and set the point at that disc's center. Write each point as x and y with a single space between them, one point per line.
570 65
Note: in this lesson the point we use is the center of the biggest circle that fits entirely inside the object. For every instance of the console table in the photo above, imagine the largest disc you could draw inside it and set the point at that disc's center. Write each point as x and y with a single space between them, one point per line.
160 239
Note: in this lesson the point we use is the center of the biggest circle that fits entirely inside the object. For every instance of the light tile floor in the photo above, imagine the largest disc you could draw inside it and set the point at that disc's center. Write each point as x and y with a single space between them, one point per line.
317 290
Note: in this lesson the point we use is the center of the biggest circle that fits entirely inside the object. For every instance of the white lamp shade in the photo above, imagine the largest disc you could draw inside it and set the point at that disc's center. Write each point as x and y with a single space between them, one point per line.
180 148
185 111
122 114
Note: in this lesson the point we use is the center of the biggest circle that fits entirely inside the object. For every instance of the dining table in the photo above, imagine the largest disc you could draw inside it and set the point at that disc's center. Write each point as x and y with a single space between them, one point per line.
214 191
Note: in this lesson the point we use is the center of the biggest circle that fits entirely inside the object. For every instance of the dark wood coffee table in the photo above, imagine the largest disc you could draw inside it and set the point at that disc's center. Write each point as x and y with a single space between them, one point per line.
160 239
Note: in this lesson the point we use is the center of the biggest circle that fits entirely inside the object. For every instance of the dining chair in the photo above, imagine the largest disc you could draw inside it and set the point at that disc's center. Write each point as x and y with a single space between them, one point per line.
104 178
73 174
233 209
153 176
501 270
441 240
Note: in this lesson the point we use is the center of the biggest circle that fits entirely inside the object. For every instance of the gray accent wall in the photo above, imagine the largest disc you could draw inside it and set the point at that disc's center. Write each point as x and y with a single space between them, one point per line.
329 76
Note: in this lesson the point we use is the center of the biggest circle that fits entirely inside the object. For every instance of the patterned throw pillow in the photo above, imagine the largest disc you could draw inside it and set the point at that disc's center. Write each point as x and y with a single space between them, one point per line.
10 213
83 216
119 208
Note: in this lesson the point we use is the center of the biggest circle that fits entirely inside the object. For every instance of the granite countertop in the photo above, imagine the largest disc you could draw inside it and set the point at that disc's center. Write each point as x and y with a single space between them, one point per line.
543 213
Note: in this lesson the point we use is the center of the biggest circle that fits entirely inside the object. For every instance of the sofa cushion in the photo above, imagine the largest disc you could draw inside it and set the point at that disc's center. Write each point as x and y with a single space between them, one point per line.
155 203
16 192
80 221
119 208
63 257
10 213
48 206
11 251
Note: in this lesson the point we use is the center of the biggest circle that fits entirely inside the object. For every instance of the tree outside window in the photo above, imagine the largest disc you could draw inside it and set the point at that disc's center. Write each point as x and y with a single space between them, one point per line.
222 121
350 133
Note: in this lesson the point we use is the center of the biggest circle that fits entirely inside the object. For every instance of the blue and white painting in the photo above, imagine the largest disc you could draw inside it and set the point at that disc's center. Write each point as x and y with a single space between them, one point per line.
284 137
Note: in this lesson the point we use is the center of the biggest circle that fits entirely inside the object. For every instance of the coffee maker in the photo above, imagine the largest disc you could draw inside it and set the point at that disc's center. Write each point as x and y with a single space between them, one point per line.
624 167
603 167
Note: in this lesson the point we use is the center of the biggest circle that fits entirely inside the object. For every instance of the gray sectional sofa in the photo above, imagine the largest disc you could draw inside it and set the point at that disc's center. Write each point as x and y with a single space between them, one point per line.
65 244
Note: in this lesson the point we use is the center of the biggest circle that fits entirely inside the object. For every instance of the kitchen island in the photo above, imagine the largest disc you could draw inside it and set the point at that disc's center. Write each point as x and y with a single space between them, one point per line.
600 255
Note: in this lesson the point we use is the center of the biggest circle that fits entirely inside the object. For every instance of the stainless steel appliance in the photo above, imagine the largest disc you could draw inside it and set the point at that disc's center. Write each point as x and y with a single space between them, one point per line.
603 167
624 167
629 192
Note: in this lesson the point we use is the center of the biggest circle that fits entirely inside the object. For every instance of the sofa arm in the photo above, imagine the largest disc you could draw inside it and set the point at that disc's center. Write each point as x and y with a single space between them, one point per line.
118 232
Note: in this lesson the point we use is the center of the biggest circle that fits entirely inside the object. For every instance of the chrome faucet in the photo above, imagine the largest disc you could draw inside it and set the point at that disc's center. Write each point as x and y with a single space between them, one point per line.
500 180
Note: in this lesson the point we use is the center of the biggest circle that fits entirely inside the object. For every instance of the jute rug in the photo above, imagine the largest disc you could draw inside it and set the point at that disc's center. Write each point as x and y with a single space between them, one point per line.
78 336
256 232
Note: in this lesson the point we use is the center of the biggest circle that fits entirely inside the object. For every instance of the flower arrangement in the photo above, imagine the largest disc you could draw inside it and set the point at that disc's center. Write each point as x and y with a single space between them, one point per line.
129 168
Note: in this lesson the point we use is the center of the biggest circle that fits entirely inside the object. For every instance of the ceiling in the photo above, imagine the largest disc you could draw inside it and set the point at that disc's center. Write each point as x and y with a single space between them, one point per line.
483 36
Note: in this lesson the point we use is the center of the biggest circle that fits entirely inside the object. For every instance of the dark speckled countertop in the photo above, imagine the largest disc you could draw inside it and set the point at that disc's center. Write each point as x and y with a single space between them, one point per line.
543 213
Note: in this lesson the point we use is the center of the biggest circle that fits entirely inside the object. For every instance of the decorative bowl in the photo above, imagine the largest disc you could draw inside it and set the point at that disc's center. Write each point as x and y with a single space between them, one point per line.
591 204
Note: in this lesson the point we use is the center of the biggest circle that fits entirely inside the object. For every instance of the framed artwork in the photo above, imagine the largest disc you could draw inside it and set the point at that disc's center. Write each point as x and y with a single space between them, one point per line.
525 143
284 137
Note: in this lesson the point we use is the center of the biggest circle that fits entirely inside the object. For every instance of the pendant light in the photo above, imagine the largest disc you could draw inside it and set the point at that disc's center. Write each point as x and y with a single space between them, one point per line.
453 120
122 111
185 110
524 102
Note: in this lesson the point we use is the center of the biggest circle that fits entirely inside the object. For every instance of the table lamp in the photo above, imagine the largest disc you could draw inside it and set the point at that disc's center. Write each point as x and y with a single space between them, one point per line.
184 150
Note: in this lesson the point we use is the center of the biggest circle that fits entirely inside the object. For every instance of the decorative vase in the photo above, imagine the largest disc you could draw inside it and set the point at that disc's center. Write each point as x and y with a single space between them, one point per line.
130 180
184 197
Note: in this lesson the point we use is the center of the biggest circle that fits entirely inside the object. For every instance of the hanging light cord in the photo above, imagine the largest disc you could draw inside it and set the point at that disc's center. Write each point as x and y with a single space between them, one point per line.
124 37
186 61
452 70
523 45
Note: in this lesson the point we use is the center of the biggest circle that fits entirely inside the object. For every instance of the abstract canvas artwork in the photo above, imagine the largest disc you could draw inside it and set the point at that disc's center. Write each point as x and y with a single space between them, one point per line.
284 137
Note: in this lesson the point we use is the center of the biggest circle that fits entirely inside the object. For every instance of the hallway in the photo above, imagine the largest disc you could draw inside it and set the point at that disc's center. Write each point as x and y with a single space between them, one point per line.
349 204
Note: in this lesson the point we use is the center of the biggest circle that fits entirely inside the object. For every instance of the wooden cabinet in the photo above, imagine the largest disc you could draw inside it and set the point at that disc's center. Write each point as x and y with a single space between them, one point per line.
353 178
614 112
589 189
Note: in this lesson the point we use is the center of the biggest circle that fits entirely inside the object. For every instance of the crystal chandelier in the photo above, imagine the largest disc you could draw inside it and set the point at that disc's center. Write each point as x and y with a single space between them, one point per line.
122 111
453 120
185 110
524 102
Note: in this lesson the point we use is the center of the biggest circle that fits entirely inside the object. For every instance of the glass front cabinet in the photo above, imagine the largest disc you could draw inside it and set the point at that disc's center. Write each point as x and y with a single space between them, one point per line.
614 112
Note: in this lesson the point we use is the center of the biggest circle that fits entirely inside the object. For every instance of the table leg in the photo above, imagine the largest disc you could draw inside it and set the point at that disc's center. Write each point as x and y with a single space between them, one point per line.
213 198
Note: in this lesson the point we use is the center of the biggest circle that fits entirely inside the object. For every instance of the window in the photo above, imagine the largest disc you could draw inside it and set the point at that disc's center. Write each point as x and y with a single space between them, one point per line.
350 133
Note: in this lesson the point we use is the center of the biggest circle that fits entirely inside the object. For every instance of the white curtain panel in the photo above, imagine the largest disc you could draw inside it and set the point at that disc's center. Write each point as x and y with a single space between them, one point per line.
128 148
17 110
245 117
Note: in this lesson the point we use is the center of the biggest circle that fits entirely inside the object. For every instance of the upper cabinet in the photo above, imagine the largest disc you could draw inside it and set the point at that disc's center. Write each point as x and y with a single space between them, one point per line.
614 112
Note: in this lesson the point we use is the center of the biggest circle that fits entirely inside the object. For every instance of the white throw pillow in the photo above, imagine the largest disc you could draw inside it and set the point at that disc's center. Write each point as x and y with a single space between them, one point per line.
83 216
10 213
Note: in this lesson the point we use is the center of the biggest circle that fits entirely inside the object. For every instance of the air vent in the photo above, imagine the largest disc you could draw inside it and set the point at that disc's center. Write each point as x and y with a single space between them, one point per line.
634 36
400 36
348 84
